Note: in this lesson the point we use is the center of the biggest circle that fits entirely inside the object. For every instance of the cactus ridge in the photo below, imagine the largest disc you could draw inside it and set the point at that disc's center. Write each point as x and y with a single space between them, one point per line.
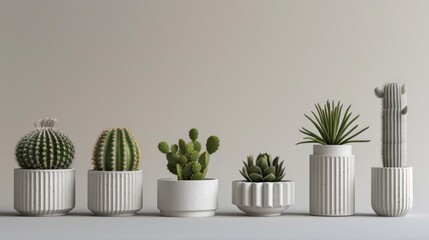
45 147
116 150
185 160
393 124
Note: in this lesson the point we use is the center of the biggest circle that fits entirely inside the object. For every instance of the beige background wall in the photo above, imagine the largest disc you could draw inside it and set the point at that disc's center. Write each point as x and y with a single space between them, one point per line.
244 70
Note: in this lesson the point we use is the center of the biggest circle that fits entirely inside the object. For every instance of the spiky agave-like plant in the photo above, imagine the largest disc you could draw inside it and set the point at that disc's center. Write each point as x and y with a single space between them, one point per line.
265 169
45 147
184 159
116 150
333 126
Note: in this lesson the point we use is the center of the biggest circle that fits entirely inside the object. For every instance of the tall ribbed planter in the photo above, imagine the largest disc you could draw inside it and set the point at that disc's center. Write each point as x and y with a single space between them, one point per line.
44 192
187 198
263 198
115 193
392 190
332 180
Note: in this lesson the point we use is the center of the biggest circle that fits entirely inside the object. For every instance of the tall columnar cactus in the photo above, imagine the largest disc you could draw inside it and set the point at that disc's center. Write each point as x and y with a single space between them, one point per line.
184 159
45 147
116 150
394 124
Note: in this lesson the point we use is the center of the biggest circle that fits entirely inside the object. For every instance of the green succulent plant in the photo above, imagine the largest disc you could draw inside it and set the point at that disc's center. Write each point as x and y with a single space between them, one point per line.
265 169
186 160
116 150
45 147
334 128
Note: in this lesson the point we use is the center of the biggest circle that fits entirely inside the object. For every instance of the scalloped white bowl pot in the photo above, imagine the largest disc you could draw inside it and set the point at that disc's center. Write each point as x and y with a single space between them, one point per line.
44 192
263 198
115 193
187 198
392 190
332 180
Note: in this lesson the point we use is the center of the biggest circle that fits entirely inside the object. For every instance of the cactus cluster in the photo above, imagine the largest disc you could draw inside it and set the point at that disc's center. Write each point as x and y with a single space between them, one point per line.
393 124
45 147
186 160
116 150
265 169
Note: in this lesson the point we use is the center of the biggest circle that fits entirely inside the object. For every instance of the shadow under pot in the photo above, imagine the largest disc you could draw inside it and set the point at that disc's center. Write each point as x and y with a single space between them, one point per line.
115 193
187 198
263 198
44 192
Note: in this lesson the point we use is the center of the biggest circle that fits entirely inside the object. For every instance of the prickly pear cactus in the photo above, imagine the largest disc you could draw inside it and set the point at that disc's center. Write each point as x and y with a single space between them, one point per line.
185 160
265 169
394 124
45 147
116 150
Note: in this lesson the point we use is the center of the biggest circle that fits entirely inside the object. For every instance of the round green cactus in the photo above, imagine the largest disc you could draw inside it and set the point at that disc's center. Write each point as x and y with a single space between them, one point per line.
265 169
184 159
45 148
117 150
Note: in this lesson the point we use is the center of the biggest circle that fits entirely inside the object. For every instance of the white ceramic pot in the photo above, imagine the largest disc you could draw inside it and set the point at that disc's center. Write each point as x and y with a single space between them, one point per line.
193 198
44 192
115 193
332 180
263 198
392 190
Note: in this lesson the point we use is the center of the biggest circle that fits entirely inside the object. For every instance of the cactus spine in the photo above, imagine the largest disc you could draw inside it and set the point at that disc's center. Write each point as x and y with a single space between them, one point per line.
45 147
184 159
394 124
116 150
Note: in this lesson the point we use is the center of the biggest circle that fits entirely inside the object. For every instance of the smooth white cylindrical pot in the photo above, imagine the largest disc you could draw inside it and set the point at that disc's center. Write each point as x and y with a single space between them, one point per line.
392 190
44 192
115 193
332 180
187 198
263 198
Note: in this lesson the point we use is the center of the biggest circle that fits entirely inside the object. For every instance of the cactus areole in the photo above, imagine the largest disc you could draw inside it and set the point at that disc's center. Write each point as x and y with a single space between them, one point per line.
45 147
393 124
186 160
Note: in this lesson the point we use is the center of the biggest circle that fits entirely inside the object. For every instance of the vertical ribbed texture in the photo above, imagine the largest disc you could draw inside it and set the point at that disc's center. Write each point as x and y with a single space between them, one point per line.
115 192
392 191
263 198
332 185
44 192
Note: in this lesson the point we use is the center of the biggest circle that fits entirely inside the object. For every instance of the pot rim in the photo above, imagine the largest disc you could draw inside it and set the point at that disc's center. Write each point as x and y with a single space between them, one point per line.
114 172
331 150
244 181
44 170
391 168
185 181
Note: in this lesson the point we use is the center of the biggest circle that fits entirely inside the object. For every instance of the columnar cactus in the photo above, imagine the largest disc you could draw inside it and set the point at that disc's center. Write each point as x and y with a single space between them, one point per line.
45 147
394 124
265 169
184 159
116 150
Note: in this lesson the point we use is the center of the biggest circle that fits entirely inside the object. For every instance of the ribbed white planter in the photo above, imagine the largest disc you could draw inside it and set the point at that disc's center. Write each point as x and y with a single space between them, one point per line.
44 192
115 193
332 180
392 191
263 198
193 198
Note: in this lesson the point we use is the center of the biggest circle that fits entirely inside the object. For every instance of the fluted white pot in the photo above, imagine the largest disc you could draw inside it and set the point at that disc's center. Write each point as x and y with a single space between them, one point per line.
332 180
115 193
187 198
44 192
392 190
263 198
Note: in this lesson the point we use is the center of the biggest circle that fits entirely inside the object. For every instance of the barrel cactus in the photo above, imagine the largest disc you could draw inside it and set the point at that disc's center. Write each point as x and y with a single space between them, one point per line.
45 147
393 124
186 160
116 150
265 169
